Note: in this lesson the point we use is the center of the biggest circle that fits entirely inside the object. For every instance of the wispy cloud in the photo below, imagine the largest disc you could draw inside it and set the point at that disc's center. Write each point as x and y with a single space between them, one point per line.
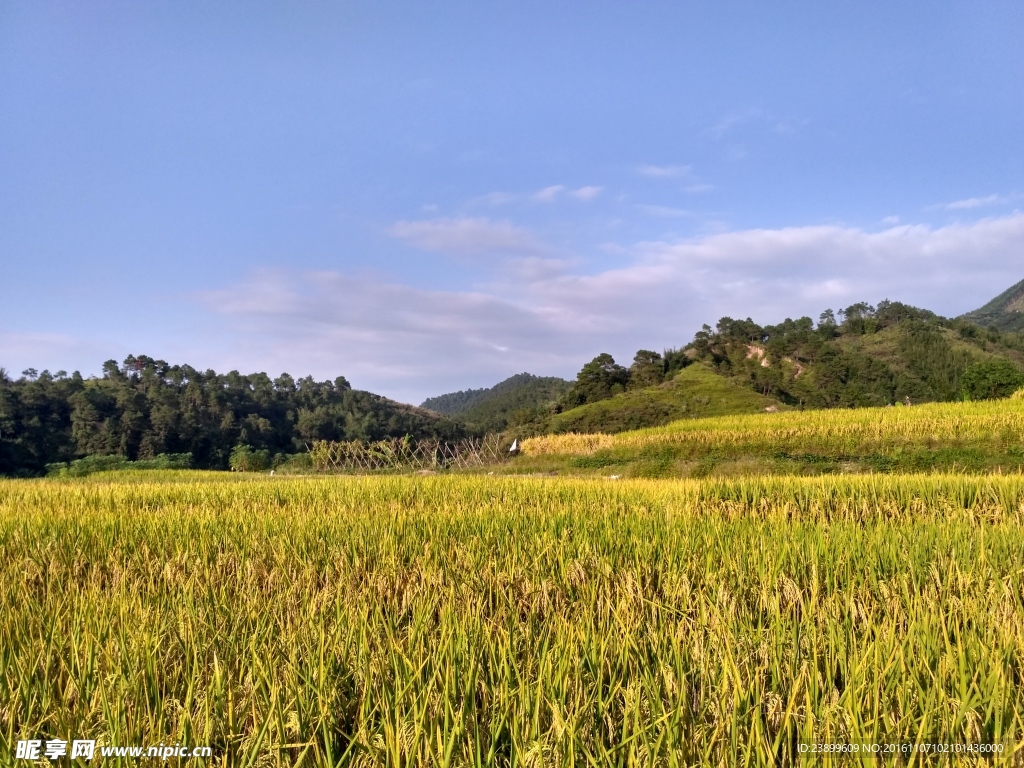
975 202
586 193
410 343
554 192
665 211
549 194
731 120
55 351
396 339
468 236
664 171
675 172
496 198
786 126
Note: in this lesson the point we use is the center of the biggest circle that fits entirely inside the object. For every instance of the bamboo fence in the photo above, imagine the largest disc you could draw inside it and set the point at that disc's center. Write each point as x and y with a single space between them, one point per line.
406 454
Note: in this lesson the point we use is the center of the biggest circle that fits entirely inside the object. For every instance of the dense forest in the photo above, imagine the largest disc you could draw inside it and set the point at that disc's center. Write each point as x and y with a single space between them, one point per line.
146 408
517 398
455 403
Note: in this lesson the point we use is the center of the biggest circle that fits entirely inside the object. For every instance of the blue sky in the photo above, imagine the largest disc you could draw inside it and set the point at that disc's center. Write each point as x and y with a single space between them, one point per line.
429 197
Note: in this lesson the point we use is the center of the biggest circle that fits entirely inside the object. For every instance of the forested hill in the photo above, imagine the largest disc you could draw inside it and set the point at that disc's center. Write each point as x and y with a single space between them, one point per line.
455 403
518 397
1005 312
860 356
145 407
865 356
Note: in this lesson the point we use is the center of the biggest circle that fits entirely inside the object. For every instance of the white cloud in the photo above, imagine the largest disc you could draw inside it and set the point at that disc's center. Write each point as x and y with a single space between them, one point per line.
468 236
552 193
586 193
409 343
664 171
665 211
395 339
891 220
975 202
733 119
549 194
785 126
533 268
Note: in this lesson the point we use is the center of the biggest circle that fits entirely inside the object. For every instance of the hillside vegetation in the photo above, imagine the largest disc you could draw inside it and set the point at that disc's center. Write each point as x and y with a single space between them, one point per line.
694 392
862 356
455 403
1005 312
867 357
517 398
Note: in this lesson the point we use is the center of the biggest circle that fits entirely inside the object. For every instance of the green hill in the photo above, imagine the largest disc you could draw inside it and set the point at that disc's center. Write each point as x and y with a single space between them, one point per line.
1005 312
695 392
867 356
520 397
145 408
455 403
873 357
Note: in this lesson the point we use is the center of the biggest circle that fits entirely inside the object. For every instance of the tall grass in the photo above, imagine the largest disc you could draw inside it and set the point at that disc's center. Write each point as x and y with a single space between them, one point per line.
471 621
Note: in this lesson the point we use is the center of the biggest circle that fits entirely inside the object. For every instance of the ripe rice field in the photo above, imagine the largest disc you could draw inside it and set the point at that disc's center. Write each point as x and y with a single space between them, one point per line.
988 423
471 620
978 437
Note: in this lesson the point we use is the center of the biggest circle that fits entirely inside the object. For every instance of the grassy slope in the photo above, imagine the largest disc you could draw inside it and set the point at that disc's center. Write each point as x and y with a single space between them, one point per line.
695 392
960 437
1005 311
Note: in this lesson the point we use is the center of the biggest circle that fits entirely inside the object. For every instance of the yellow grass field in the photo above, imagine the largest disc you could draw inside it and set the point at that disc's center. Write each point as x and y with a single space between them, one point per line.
990 424
470 621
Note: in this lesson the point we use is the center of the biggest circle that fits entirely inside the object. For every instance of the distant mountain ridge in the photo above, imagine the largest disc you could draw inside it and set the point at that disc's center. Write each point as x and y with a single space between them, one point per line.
1005 312
859 356
491 408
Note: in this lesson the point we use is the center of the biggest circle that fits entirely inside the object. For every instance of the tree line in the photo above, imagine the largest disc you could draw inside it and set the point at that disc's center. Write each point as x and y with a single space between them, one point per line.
145 408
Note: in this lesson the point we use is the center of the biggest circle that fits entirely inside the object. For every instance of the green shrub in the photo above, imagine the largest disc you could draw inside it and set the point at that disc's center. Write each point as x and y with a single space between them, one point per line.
992 379
245 459
105 463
